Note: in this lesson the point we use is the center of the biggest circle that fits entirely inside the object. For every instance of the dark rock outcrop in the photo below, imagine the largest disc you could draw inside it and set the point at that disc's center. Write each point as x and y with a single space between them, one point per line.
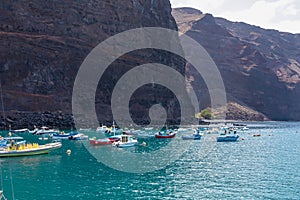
43 43
260 68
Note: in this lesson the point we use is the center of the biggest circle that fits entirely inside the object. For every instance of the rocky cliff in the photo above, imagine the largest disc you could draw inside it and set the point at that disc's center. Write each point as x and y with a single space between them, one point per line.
260 68
43 43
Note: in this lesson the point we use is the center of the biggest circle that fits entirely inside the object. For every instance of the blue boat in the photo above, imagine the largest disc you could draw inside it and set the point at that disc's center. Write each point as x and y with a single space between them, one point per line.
6 141
228 136
195 136
63 136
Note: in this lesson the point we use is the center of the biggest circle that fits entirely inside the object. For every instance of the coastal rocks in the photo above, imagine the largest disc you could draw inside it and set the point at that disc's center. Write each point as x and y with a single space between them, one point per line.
19 120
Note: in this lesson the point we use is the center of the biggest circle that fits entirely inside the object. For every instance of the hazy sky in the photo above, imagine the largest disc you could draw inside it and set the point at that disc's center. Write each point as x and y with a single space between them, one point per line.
283 15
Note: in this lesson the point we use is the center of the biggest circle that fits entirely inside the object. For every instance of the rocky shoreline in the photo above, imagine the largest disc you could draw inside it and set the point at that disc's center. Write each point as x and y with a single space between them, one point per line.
65 121
18 120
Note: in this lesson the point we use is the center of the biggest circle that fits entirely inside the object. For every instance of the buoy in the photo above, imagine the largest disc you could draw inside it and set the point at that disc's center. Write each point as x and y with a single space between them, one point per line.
69 151
144 144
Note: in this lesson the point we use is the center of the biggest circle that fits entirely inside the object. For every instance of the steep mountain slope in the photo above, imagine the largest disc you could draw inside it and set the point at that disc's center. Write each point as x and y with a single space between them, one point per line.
43 43
260 68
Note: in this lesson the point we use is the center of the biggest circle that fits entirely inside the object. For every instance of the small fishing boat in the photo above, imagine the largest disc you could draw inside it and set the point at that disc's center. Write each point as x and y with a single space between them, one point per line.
125 141
245 129
46 131
102 128
165 134
79 136
24 130
256 135
63 135
228 136
104 141
34 131
29 149
195 136
6 141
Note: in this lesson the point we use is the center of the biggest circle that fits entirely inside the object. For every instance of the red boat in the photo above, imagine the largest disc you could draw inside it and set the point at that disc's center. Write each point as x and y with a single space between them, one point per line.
168 134
105 141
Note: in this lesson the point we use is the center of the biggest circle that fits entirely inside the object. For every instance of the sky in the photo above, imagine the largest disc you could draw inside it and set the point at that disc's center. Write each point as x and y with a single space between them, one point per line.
282 15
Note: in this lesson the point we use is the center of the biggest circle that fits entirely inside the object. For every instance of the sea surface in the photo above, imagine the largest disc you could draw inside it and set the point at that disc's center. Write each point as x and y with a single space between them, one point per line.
266 167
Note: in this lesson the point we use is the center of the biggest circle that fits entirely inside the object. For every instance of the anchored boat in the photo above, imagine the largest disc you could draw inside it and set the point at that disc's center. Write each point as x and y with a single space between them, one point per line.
228 136
29 149
166 134
125 141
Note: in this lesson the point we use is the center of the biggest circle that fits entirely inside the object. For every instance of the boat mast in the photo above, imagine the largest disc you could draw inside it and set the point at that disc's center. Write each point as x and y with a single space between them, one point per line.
114 128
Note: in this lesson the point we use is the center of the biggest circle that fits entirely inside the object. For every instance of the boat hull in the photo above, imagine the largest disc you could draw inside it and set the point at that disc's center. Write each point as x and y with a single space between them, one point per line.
126 145
227 138
101 142
191 137
42 149
165 136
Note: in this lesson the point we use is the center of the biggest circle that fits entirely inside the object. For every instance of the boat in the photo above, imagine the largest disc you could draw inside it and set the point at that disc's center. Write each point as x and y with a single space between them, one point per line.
165 134
6 141
29 149
245 129
256 135
228 136
239 124
34 130
24 130
79 136
125 141
195 136
102 128
63 135
104 141
45 131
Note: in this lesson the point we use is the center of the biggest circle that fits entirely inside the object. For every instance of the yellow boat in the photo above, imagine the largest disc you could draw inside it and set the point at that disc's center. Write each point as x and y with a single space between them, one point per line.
29 149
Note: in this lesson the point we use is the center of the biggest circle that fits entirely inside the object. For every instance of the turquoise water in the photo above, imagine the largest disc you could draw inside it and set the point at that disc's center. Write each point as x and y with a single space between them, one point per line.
266 167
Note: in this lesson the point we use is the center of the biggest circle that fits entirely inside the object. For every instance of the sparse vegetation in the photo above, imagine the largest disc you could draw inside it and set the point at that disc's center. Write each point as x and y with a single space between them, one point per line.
204 114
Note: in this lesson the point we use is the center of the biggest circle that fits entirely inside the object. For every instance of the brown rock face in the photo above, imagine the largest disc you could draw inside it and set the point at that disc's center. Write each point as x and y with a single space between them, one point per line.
43 43
260 68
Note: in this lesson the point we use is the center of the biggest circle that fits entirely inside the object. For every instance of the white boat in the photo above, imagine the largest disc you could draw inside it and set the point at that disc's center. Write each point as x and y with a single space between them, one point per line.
63 135
79 136
195 136
46 131
34 130
102 129
125 141
228 136
29 149
24 130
